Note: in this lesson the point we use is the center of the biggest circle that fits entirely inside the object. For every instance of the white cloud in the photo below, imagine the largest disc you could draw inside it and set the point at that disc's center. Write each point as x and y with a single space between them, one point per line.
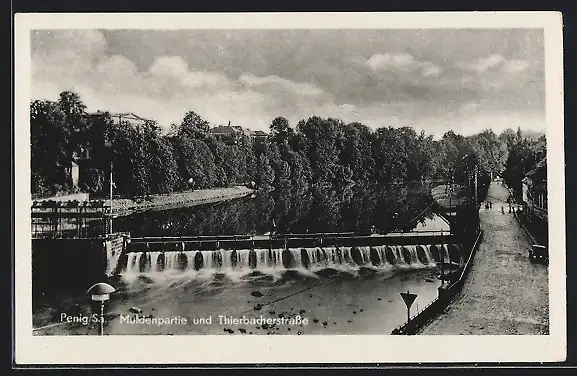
495 63
516 66
490 62
430 70
403 63
276 82
388 61
169 66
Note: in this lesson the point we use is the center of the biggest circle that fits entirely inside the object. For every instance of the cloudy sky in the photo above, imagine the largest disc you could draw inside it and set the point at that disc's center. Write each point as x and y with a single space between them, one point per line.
432 80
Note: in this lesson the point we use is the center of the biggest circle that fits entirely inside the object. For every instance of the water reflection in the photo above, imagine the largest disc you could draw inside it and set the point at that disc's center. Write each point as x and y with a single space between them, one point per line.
351 209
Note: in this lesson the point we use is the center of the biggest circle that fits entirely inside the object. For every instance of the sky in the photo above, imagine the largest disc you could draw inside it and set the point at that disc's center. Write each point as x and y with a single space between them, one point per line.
436 80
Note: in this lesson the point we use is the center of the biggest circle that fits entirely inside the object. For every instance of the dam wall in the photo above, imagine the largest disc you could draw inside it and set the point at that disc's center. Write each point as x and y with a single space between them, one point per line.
74 264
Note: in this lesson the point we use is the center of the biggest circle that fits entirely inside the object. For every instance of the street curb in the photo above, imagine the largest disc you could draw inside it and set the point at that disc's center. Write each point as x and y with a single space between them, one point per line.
525 229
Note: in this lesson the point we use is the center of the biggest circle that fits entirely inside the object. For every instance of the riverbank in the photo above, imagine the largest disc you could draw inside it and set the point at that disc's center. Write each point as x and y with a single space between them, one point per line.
126 206
505 293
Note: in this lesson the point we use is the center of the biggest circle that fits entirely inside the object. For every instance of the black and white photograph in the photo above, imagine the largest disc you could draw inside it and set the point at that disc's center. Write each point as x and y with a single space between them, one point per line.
285 180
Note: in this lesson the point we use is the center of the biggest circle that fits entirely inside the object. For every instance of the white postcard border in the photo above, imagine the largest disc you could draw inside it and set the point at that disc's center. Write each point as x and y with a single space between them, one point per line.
184 349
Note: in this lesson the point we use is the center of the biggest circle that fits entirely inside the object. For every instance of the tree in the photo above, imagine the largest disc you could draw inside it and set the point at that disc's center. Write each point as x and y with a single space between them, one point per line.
490 150
390 155
193 126
76 121
522 158
265 173
300 172
50 146
356 153
323 139
164 168
196 162
280 130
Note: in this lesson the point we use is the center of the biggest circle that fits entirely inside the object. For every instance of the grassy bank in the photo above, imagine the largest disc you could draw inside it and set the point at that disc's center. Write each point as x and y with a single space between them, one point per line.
126 206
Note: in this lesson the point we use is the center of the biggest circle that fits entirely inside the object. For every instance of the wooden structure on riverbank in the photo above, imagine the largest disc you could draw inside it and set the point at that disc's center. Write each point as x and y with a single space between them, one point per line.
70 219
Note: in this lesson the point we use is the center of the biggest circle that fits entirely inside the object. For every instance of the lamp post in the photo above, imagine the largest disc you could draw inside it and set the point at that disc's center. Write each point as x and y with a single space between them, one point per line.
100 292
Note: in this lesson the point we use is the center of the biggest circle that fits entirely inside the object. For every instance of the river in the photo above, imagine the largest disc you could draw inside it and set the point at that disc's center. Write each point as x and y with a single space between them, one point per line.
332 295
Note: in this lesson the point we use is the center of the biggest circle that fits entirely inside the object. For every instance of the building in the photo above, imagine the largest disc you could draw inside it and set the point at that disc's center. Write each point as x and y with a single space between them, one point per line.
234 132
535 192
535 201
118 118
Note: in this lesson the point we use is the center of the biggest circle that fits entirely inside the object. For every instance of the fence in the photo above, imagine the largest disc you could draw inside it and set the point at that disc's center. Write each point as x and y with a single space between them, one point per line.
446 296
69 219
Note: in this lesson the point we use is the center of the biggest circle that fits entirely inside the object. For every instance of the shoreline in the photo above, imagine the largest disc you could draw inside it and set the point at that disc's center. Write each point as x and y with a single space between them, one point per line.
125 206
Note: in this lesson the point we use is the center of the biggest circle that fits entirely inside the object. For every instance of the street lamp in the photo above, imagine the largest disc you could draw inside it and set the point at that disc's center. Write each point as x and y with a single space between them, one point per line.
100 292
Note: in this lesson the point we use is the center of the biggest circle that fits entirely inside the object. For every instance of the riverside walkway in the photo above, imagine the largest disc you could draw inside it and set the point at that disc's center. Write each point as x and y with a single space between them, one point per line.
505 293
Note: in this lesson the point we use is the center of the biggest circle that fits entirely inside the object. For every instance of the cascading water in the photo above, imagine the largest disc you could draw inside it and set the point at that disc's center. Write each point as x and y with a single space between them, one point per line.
152 261
172 261
386 257
190 256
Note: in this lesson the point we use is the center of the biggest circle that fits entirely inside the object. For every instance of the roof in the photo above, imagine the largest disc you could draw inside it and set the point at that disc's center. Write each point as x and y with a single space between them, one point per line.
125 116
226 129
539 172
259 133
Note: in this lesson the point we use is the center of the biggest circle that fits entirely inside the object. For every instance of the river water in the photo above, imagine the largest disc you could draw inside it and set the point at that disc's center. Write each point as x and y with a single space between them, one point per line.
331 293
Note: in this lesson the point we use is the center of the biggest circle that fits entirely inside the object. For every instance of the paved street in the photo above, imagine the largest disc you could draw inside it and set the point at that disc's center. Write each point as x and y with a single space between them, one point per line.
504 293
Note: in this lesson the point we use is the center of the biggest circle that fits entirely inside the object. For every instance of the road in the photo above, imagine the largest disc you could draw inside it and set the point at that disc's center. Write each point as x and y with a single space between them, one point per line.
505 293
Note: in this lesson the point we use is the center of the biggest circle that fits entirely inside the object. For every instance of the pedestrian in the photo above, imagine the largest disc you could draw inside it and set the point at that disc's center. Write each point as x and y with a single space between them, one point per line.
502 210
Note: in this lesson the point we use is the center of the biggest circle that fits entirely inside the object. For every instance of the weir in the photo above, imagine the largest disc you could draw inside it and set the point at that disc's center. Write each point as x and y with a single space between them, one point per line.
294 251
408 256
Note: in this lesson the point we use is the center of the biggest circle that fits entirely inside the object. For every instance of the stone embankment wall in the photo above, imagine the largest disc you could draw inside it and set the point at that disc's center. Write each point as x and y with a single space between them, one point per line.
447 294
74 264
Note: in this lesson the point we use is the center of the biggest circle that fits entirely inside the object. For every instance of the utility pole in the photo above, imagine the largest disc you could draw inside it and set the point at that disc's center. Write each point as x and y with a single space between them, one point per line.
475 170
111 184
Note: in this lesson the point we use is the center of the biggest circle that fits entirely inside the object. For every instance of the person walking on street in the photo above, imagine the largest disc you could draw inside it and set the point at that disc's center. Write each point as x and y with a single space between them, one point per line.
502 210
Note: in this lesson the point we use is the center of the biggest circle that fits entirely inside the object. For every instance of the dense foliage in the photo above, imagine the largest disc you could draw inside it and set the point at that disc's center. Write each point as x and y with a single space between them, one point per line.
523 155
317 152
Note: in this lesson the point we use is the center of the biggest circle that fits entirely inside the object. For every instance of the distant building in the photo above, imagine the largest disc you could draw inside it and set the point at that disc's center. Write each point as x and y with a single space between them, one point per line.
233 132
118 118
259 134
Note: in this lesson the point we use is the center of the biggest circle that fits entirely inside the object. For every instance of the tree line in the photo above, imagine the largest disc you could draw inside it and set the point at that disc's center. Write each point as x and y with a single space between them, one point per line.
316 152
